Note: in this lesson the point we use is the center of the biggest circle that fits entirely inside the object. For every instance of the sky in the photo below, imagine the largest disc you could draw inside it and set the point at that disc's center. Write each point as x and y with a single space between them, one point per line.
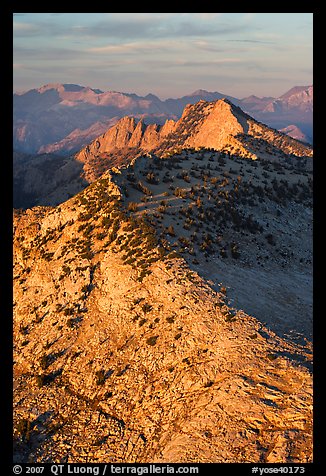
167 54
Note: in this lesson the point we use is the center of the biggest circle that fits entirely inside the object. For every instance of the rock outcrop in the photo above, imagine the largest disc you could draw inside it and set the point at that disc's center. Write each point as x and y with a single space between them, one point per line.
127 133
218 125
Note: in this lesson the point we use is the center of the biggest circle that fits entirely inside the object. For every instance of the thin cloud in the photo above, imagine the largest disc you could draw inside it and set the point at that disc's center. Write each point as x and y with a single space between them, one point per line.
253 41
204 45
214 62
45 54
25 28
225 48
132 47
121 48
183 63
133 27
45 29
155 27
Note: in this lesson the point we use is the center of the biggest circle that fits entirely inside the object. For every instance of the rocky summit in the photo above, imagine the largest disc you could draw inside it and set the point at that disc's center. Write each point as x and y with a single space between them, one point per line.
163 312
219 125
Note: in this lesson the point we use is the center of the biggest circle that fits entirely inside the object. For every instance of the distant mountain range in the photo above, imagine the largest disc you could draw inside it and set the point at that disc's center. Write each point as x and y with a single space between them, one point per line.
62 118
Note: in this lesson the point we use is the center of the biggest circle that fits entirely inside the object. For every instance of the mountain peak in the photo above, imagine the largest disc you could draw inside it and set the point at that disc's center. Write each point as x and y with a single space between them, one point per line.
60 87
306 90
213 124
227 102
199 92
218 125
152 97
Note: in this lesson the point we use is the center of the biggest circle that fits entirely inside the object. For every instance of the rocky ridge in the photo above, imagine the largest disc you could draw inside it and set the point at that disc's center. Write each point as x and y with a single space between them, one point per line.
132 298
218 125
122 353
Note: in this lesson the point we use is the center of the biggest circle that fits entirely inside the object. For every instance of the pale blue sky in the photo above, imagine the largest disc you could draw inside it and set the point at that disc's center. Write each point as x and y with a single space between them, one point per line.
167 54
